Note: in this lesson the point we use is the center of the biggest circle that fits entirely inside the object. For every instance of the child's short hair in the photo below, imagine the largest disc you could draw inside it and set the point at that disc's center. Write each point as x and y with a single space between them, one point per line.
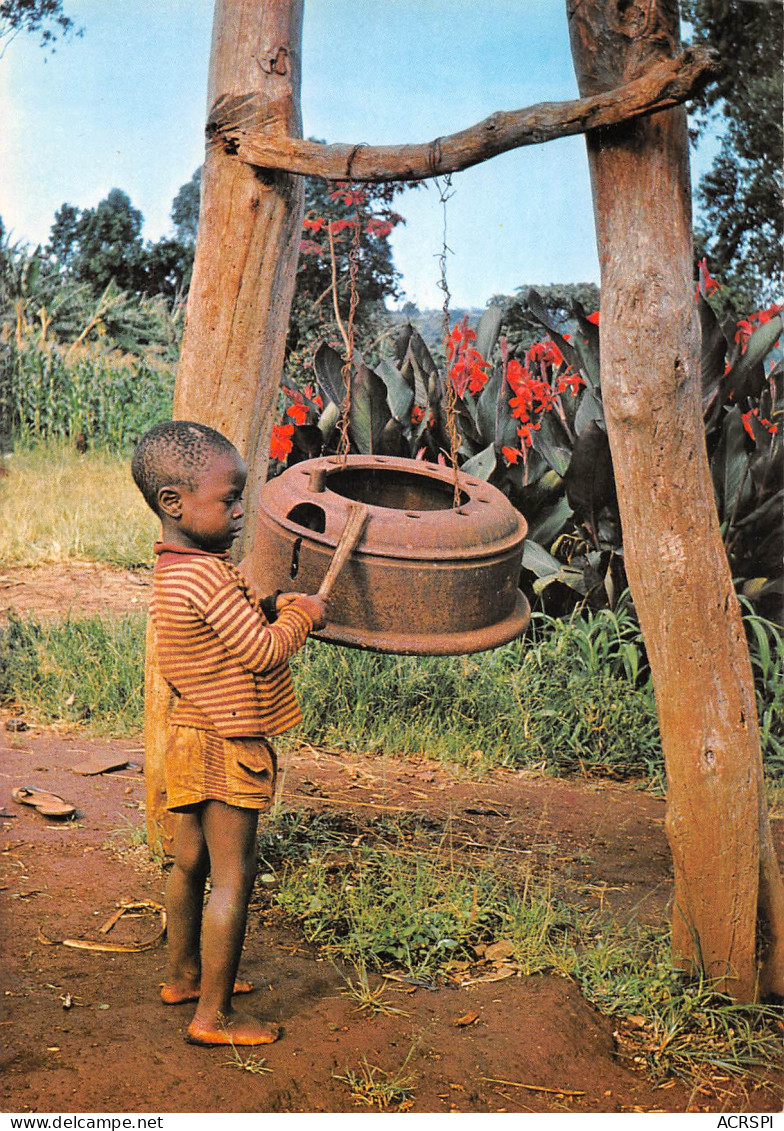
172 454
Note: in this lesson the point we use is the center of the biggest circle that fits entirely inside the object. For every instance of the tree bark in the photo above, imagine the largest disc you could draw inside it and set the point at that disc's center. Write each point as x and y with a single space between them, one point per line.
243 283
240 123
248 243
728 891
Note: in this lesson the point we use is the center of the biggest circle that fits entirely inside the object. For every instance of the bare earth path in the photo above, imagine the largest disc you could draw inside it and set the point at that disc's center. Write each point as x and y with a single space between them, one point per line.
85 1031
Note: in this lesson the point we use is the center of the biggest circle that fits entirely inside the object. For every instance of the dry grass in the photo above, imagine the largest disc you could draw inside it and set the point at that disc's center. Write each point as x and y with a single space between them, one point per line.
57 505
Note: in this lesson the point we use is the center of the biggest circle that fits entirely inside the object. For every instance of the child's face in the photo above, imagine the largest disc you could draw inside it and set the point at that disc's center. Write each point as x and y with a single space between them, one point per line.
210 516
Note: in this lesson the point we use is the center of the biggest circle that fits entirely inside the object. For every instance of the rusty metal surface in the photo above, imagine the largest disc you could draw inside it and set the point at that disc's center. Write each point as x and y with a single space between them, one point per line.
425 579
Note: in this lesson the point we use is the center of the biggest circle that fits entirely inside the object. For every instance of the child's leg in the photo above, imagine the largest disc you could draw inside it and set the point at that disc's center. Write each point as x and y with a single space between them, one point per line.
184 901
230 834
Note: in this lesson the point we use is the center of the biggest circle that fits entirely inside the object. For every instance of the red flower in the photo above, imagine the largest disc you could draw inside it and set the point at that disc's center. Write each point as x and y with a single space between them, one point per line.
468 370
570 381
511 455
310 247
743 333
353 196
772 428
707 285
315 224
298 413
281 442
762 316
521 405
524 432
594 318
546 352
338 226
378 227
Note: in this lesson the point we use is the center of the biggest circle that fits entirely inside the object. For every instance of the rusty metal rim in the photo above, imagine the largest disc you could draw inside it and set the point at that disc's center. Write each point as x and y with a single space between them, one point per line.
433 644
407 552
405 549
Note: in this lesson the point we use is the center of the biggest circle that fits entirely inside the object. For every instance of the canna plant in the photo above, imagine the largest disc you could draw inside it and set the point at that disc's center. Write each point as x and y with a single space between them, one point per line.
534 427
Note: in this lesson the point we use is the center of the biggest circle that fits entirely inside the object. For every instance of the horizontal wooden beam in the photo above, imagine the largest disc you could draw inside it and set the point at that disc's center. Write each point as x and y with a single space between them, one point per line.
239 124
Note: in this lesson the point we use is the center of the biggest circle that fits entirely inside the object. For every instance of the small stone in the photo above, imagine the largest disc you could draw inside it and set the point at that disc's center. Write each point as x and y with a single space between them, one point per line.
15 725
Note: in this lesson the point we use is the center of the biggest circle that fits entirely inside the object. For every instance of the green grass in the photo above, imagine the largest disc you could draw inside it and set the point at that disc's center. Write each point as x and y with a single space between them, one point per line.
574 697
402 898
88 671
57 505
532 703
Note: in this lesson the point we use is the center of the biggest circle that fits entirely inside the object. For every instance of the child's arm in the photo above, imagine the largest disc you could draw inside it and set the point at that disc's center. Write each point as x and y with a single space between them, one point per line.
246 635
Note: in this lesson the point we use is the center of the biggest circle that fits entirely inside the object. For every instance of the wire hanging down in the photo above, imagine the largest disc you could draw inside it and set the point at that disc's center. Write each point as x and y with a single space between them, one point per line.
445 193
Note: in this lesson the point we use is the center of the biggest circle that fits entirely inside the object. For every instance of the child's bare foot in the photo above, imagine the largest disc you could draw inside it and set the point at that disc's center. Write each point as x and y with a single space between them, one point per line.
176 993
239 1029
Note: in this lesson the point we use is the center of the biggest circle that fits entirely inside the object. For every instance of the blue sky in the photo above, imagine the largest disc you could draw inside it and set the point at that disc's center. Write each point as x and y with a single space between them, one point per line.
124 106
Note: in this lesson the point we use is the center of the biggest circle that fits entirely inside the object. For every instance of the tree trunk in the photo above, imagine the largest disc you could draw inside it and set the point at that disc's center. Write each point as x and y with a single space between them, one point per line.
246 254
243 279
728 890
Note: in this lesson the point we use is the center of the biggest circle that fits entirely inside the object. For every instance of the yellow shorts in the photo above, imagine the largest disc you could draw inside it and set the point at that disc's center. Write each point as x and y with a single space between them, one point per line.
202 766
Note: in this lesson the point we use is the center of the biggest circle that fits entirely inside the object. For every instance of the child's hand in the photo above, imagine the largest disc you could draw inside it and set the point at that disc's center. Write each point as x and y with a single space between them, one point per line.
314 606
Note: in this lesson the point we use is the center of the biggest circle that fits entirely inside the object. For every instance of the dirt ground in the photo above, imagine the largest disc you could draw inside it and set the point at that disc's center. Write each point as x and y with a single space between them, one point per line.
85 1031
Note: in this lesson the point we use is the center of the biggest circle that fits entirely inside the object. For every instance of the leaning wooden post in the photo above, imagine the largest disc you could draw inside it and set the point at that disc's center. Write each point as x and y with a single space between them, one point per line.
243 277
728 889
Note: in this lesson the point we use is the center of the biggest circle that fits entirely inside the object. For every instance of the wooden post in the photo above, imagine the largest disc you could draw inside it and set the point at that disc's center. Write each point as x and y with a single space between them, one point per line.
243 278
728 889
250 224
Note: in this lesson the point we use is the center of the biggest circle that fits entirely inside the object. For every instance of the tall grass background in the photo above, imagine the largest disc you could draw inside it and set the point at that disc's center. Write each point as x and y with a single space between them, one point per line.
56 392
56 505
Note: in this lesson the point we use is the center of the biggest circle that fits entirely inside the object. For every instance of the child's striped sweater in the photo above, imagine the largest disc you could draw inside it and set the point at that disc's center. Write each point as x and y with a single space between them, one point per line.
215 647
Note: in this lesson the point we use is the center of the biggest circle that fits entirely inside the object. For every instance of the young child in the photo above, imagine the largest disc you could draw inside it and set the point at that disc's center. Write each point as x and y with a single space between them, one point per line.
228 666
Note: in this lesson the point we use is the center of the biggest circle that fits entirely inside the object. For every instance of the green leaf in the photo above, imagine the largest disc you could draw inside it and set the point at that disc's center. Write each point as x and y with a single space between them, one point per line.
713 353
368 412
505 424
537 560
729 466
771 510
392 441
399 394
488 330
550 522
589 480
747 375
552 443
589 411
487 405
328 367
482 465
400 342
567 575
328 420
421 354
586 342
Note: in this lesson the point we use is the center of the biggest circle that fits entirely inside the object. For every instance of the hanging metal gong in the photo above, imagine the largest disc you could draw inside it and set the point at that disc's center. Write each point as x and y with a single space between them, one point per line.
428 577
